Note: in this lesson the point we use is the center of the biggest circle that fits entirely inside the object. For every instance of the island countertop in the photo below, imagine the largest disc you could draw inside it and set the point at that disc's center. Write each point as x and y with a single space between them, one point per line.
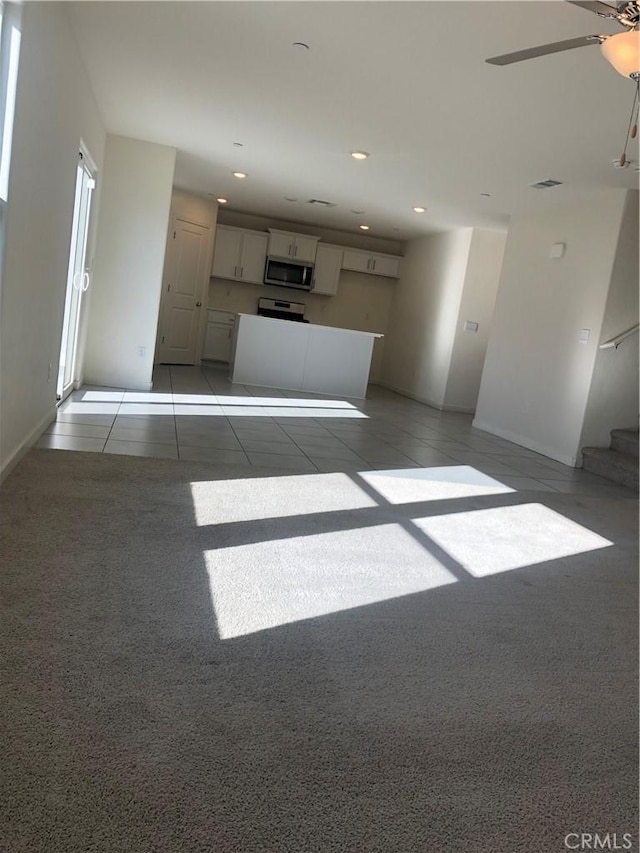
313 325
295 356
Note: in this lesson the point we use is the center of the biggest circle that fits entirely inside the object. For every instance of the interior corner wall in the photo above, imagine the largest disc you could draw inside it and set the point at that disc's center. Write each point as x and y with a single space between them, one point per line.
55 109
537 374
477 306
127 274
613 397
423 316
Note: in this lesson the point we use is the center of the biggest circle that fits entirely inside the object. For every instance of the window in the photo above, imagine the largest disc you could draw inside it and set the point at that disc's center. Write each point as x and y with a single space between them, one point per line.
9 55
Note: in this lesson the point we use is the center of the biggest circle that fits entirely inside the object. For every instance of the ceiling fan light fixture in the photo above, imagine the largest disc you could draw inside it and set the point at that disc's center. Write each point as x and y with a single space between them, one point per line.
623 52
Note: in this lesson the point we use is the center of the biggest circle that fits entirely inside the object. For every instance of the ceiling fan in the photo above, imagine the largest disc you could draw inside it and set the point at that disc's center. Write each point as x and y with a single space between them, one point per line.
622 50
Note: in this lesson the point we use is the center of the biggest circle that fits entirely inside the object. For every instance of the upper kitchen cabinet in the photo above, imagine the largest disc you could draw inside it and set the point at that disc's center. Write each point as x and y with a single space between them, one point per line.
371 262
326 271
239 254
297 247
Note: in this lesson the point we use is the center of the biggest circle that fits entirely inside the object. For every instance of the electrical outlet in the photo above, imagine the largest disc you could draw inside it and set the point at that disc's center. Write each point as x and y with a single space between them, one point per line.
142 351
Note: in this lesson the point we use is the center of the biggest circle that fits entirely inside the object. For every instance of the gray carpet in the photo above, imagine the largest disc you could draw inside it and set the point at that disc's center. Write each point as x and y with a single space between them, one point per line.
195 662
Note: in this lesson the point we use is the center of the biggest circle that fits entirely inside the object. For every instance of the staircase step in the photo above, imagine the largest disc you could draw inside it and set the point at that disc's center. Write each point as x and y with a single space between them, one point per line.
618 467
625 441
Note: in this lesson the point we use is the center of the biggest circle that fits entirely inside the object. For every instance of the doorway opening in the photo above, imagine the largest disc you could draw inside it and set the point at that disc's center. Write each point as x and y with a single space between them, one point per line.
78 276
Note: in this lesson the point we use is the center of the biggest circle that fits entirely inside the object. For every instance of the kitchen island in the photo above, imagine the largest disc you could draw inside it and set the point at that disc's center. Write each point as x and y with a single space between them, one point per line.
301 356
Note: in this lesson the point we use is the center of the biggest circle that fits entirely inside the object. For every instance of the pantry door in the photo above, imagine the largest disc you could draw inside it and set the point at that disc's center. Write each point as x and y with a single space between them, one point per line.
186 275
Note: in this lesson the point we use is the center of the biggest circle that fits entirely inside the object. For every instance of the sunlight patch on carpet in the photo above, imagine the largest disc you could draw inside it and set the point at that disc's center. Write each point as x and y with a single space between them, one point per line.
223 501
275 582
411 485
488 541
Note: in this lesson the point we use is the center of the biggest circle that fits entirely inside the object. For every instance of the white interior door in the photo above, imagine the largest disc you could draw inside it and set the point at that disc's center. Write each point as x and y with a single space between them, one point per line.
185 278
77 278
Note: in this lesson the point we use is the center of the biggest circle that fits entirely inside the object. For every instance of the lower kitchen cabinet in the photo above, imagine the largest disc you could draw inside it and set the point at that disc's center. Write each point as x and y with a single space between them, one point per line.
217 341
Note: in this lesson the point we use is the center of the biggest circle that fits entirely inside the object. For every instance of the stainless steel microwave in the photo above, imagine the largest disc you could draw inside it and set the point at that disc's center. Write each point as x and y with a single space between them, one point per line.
288 274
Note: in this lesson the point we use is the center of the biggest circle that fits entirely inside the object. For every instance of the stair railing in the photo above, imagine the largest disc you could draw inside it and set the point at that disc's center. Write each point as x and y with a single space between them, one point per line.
615 342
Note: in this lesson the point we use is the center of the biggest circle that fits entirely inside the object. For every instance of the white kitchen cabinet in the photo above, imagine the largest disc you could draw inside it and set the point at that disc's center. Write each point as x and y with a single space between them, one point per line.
239 254
297 247
326 271
373 263
218 335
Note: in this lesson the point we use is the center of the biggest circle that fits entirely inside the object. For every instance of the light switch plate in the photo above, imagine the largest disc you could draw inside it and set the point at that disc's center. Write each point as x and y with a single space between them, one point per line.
557 250
470 326
584 336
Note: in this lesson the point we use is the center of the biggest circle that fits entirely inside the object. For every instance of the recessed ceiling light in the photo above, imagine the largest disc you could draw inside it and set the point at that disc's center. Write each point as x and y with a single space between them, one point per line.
301 45
360 155
222 200
364 227
239 175
419 209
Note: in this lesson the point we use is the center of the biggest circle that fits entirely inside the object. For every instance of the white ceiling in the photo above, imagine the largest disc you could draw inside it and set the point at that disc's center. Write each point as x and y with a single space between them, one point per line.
405 81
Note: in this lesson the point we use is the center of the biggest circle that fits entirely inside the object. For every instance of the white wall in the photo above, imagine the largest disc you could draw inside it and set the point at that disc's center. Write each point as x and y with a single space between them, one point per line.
423 316
55 109
127 274
613 397
362 301
537 375
476 305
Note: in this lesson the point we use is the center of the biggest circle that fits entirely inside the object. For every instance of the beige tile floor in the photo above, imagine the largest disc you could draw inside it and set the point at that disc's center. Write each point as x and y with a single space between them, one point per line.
196 414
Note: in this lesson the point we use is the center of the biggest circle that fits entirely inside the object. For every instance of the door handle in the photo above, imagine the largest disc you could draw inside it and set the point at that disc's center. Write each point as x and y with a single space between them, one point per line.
198 304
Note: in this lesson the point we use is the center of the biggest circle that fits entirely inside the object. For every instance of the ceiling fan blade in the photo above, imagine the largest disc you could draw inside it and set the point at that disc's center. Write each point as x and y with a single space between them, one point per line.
543 50
595 6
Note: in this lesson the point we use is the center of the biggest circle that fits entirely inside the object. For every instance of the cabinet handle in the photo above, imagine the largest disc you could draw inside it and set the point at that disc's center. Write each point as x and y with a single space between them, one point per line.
373 263
235 272
241 272
295 251
198 304
369 264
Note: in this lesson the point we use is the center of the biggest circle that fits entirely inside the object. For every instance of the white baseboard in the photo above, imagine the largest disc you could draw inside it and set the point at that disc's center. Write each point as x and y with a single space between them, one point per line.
112 382
525 441
404 393
439 406
26 444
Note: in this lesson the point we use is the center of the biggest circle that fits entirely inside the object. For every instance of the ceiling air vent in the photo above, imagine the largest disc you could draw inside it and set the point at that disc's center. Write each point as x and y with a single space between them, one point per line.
322 203
543 185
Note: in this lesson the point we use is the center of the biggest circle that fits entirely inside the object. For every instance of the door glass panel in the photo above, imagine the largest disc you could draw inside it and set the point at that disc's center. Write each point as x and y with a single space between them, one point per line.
77 279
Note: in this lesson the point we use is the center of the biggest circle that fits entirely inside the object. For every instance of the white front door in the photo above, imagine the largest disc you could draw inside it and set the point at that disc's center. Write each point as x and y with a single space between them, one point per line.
185 278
